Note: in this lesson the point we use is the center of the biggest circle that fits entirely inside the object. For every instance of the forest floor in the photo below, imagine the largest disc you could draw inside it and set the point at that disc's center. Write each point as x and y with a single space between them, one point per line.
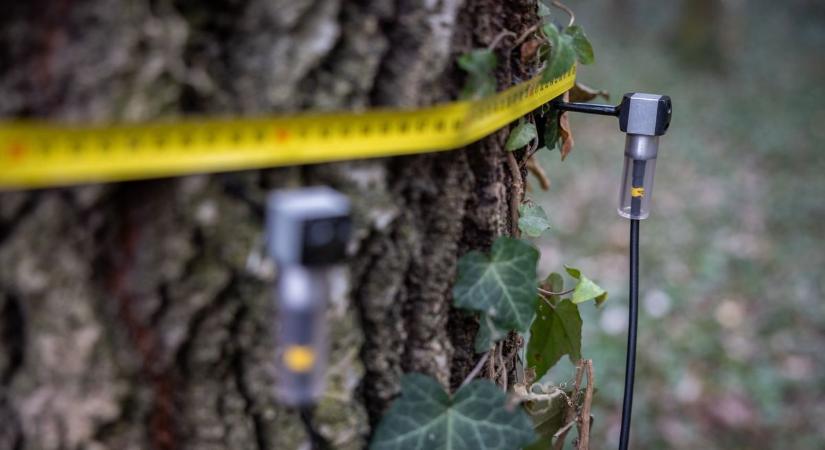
732 321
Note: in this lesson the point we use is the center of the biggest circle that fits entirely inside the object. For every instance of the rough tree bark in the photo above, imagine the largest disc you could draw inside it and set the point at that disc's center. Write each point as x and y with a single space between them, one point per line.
137 315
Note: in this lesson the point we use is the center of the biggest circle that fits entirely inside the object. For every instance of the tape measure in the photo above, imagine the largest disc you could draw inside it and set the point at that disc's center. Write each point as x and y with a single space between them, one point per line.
43 154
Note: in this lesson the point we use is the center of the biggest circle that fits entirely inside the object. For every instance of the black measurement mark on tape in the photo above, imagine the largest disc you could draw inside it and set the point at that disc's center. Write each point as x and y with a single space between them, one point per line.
186 139
259 134
160 140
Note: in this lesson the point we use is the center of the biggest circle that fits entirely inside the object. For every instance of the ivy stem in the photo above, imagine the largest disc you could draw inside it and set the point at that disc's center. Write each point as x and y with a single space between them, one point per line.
498 39
473 373
526 33
531 151
535 26
546 292
535 168
564 8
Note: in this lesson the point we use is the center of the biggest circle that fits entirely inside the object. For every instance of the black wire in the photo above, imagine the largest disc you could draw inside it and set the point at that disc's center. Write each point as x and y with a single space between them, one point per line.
316 441
633 314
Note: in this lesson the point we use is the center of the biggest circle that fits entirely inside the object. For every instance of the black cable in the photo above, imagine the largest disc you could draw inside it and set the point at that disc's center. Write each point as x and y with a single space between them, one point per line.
316 441
633 314
589 108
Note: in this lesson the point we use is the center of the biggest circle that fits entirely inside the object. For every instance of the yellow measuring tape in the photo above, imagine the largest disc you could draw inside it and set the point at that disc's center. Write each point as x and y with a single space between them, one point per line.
40 154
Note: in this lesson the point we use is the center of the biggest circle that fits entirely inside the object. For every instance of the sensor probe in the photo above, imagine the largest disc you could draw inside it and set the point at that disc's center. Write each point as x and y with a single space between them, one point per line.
643 117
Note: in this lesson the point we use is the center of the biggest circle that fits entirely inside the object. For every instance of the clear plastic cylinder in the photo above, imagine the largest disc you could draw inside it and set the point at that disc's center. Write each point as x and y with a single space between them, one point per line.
637 188
301 330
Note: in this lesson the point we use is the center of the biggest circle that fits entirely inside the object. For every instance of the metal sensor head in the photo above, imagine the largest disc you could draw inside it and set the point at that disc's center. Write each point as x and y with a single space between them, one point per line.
307 233
644 117
308 227
645 114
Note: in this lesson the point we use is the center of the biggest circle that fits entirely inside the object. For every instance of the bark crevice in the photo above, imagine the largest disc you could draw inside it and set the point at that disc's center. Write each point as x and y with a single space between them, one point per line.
143 322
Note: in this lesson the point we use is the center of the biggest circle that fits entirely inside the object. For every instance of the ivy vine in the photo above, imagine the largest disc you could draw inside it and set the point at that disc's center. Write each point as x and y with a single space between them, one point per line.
502 288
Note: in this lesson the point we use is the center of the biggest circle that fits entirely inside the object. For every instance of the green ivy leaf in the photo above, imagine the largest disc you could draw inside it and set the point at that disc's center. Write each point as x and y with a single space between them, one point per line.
532 220
551 32
543 10
552 132
488 334
520 136
563 54
475 418
480 65
586 289
555 332
581 44
503 285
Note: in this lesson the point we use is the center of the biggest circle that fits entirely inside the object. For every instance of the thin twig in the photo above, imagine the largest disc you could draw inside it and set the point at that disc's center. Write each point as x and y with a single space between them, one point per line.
546 292
584 424
491 367
473 373
503 366
564 8
508 358
499 37
571 411
517 193
532 148
563 430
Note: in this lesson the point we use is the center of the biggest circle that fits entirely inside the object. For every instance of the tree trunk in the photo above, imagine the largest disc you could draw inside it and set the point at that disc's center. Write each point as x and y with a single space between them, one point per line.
137 315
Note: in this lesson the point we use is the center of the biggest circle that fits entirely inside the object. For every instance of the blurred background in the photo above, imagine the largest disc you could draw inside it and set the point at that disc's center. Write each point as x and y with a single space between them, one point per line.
732 326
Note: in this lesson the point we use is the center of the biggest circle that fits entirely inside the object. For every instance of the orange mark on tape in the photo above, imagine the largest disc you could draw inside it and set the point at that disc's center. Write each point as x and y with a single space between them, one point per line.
281 135
16 151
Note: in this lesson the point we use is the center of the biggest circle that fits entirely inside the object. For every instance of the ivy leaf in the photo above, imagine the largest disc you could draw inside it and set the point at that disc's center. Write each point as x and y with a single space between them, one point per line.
563 55
553 283
586 289
488 334
582 46
551 32
555 332
532 220
552 134
521 135
543 10
502 285
476 418
480 65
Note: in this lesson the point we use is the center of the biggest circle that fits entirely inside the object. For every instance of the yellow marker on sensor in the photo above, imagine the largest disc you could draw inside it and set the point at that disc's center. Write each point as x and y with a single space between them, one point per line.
637 192
299 358
36 154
